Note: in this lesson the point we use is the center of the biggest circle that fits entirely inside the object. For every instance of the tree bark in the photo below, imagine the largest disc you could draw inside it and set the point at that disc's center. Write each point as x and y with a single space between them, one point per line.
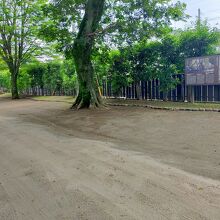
82 51
14 84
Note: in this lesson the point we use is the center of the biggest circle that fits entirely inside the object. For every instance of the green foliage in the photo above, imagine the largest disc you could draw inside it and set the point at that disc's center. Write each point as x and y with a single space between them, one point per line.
69 75
144 62
36 71
53 78
4 76
162 59
119 73
199 40
122 21
19 25
102 60
24 81
169 60
5 79
52 75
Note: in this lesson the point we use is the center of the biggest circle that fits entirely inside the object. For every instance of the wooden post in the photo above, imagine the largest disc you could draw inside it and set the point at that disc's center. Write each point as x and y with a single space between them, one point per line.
207 93
191 94
201 93
171 95
147 90
176 92
151 90
159 94
155 89
183 92
213 93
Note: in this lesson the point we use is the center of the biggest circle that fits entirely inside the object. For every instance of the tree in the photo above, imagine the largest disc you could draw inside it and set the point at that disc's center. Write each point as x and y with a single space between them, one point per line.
119 71
142 62
36 71
69 77
199 40
112 22
82 52
130 66
18 27
53 76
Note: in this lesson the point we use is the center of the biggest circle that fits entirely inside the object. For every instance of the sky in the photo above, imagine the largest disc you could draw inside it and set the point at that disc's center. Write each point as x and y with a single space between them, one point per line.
210 10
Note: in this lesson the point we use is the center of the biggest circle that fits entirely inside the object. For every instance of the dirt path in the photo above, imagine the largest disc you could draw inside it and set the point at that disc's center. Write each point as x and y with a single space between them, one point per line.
56 164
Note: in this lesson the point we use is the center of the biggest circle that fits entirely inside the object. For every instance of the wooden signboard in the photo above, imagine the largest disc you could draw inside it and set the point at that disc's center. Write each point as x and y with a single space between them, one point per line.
202 70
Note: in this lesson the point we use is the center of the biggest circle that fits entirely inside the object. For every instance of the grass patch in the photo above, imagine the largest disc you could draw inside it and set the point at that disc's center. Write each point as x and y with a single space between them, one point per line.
168 104
68 99
5 95
177 105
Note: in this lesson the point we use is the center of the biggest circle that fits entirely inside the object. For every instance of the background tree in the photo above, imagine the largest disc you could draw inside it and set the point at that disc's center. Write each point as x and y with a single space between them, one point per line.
69 77
198 40
53 77
24 81
119 71
50 76
36 71
18 26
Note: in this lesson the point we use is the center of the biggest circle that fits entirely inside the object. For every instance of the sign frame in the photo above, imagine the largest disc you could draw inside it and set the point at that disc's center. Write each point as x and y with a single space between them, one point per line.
204 70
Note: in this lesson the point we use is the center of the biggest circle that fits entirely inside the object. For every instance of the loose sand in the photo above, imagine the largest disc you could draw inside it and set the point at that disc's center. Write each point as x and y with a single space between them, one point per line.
119 163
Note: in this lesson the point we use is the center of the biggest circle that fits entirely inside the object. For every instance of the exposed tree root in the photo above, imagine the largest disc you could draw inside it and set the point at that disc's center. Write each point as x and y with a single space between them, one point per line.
84 100
83 104
15 96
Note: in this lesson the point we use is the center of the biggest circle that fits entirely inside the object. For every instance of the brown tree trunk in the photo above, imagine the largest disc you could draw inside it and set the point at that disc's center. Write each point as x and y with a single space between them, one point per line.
82 51
14 84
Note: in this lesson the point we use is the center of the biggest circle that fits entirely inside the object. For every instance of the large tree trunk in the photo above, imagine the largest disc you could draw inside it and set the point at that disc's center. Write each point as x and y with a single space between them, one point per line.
82 51
14 84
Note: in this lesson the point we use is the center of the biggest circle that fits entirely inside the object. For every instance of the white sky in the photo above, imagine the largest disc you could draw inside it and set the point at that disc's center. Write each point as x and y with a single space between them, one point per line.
210 9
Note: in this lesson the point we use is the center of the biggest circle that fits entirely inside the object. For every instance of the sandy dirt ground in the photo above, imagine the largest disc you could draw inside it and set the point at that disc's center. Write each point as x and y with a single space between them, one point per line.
119 163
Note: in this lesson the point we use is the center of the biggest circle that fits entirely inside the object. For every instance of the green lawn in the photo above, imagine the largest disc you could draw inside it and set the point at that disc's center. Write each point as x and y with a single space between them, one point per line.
5 95
160 104
68 99
168 104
